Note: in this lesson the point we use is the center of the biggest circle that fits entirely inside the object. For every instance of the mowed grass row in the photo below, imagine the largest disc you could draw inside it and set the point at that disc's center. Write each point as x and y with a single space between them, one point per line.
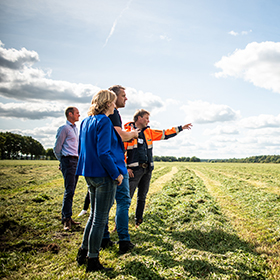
186 233
249 194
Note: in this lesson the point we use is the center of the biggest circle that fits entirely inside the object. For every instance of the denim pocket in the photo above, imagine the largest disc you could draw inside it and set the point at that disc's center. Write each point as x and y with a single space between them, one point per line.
96 181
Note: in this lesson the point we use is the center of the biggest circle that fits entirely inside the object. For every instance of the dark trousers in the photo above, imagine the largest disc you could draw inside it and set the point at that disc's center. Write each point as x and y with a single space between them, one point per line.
87 202
68 169
141 180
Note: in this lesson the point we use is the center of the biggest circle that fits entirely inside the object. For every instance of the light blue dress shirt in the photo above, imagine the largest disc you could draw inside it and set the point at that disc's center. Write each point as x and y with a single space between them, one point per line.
67 141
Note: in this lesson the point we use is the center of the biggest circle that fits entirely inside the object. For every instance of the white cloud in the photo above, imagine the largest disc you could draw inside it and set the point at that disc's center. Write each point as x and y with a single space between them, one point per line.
165 38
246 32
116 21
233 33
14 59
41 97
44 134
204 112
261 121
258 63
266 132
19 80
220 130
141 100
28 110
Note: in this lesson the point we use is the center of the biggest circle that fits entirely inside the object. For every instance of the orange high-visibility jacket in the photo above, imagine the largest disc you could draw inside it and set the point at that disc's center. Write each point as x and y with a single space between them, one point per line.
150 136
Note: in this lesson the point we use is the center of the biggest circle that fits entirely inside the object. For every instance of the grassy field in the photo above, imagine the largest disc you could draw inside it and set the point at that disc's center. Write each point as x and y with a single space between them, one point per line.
202 221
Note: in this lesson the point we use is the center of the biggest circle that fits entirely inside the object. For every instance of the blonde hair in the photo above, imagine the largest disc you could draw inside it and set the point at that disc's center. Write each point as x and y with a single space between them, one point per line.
99 102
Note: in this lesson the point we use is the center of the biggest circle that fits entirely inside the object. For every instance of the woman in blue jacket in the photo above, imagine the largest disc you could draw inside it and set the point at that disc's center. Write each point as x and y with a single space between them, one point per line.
101 162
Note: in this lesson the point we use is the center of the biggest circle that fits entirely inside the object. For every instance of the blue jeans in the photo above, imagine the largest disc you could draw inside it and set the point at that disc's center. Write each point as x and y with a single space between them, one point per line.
102 194
141 180
68 169
123 203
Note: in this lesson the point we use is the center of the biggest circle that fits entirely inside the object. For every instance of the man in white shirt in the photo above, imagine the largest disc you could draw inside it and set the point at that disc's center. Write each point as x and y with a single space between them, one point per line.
66 151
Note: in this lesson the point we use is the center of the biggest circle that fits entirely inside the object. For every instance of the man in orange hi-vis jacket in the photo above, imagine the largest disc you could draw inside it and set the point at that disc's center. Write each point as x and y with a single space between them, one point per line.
139 156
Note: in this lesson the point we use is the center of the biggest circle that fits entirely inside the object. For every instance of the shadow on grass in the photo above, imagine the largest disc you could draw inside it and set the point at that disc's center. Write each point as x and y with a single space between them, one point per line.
213 245
215 241
137 269
21 238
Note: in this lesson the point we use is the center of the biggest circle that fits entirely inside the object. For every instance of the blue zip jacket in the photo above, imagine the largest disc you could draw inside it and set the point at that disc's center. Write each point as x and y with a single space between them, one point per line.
101 150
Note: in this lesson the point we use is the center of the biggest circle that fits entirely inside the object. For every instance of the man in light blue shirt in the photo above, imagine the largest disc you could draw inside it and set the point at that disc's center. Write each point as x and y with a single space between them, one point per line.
66 151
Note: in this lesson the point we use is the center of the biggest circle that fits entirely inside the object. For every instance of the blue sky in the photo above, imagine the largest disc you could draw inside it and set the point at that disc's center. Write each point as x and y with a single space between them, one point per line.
213 63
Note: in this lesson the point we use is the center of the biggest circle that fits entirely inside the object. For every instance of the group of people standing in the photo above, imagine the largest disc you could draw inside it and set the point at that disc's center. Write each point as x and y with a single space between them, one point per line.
114 162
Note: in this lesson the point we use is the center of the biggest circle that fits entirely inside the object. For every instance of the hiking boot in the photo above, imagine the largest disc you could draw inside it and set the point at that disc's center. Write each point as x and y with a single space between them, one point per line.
125 246
67 224
74 223
107 242
81 256
95 265
138 222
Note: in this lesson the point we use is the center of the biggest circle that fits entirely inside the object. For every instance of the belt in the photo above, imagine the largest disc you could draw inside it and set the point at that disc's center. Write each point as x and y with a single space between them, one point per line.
143 165
76 157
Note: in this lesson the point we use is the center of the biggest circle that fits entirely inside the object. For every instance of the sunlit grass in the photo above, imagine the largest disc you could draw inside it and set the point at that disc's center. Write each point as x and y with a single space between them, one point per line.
202 221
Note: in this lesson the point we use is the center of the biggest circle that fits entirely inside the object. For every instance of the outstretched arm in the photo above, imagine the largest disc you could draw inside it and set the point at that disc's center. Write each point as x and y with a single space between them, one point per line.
187 126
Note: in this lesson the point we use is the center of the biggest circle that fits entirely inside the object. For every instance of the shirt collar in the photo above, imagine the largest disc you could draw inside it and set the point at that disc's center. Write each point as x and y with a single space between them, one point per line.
73 125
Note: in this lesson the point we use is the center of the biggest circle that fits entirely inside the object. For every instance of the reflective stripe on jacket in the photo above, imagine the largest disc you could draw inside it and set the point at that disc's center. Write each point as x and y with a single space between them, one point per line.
150 136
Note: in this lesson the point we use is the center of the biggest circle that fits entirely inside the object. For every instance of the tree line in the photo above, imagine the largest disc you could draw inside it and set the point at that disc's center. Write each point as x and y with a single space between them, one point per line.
180 159
253 159
15 146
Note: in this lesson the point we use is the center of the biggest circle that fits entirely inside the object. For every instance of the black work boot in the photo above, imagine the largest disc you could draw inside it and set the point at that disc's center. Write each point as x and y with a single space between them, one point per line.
138 222
106 242
81 256
95 265
125 246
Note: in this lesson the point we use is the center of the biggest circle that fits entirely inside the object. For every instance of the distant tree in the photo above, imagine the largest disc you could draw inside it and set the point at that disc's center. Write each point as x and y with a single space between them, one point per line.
194 159
12 145
2 144
50 154
256 159
172 159
156 158
184 159
36 149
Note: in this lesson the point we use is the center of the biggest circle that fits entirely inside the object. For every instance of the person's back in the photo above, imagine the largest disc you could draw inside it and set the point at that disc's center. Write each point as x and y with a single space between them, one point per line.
91 148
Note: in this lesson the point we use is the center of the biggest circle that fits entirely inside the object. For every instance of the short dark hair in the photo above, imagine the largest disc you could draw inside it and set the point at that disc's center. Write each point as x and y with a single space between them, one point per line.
68 110
116 89
140 113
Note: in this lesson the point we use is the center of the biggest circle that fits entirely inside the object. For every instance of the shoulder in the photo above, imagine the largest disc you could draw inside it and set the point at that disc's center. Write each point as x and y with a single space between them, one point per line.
63 129
103 120
116 118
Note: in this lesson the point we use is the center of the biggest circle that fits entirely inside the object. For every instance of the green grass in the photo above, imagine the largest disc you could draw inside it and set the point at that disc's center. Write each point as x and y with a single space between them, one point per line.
210 221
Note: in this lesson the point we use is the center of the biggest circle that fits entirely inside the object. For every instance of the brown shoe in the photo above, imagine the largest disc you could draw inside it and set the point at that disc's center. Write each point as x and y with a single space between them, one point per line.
67 224
74 223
